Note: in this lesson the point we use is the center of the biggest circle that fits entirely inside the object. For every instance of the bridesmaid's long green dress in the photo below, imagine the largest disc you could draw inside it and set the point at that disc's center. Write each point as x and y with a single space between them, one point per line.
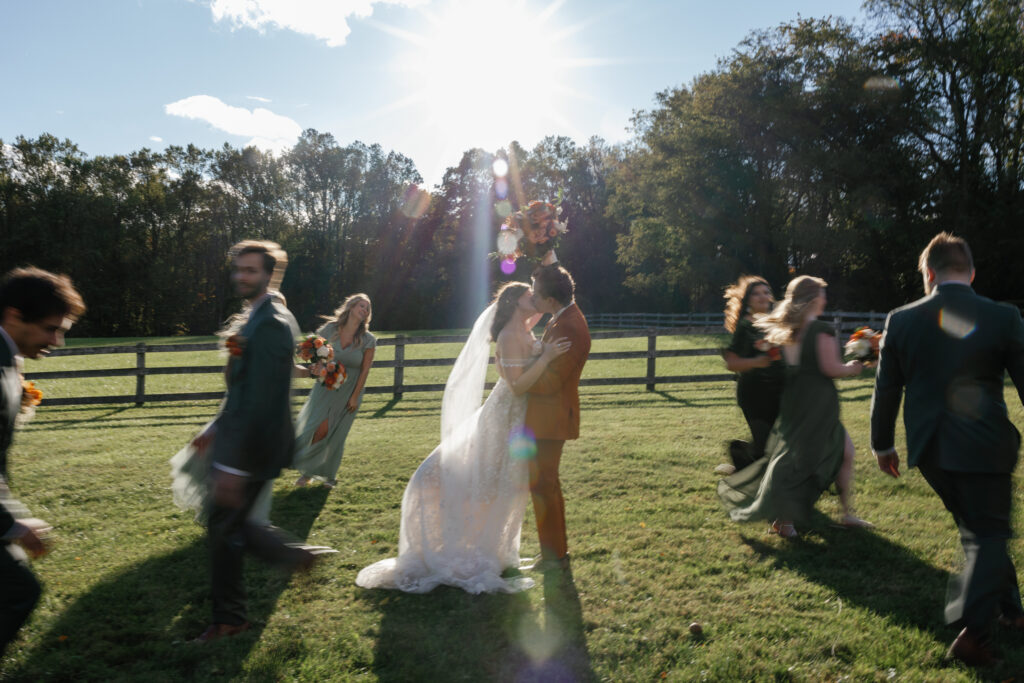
322 459
804 450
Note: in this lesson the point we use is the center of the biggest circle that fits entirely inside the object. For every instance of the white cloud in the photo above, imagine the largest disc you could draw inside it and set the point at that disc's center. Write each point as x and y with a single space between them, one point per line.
156 138
267 130
325 20
257 98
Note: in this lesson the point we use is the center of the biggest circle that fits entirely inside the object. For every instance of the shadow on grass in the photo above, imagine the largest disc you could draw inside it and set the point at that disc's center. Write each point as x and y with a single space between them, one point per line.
384 409
867 569
450 635
136 624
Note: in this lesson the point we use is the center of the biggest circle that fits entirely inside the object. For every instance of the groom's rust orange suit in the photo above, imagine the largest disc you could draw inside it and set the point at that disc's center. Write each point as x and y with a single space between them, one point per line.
553 414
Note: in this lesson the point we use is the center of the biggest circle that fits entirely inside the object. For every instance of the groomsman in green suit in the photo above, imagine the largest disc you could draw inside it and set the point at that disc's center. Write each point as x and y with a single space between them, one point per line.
36 309
949 351
253 437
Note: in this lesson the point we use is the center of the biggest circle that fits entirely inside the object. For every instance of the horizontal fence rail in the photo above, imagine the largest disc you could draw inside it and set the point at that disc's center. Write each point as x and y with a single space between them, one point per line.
701 324
844 321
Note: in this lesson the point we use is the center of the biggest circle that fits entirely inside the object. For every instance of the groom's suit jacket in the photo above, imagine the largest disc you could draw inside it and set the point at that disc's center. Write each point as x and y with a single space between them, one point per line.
553 405
10 405
255 433
949 351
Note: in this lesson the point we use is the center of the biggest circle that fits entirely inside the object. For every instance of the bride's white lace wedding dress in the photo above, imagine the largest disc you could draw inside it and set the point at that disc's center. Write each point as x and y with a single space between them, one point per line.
463 509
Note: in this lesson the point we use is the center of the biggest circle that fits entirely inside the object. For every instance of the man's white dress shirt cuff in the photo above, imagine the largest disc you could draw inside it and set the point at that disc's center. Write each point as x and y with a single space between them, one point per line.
230 470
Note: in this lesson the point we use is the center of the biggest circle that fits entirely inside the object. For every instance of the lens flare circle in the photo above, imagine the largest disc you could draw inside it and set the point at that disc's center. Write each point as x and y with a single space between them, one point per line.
521 443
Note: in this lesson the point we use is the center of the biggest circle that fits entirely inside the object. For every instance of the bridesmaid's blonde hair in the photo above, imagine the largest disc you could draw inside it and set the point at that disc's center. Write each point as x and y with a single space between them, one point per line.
784 323
341 314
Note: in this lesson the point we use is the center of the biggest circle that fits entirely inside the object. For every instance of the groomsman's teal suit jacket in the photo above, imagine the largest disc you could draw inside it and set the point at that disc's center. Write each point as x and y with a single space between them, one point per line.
949 350
255 433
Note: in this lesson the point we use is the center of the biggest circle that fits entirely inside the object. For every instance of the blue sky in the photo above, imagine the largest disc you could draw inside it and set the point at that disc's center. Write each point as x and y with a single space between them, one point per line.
427 78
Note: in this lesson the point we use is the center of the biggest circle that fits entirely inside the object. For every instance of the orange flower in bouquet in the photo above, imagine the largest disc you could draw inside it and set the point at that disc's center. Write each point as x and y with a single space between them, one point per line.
30 395
773 351
235 344
863 345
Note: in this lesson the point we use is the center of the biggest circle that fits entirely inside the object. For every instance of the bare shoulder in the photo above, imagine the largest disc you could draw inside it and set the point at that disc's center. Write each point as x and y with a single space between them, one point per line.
511 344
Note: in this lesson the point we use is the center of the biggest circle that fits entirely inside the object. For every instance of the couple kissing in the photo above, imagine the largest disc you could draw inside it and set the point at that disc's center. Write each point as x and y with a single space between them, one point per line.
463 509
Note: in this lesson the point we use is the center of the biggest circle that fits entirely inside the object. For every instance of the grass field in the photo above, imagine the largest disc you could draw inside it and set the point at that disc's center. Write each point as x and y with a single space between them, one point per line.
126 583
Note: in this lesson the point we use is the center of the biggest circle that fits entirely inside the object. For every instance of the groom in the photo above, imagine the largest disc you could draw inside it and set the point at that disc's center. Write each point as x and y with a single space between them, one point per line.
948 351
553 408
254 437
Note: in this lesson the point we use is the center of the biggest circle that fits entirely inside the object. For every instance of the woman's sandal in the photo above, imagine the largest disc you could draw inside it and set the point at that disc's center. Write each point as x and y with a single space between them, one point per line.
784 530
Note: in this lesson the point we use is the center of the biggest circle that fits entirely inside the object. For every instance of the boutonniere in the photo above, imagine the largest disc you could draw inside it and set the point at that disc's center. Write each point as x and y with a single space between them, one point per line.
30 396
235 344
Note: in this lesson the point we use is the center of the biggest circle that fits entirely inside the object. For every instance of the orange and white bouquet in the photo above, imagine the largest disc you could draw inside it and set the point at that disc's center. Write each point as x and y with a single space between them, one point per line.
863 345
319 356
773 351
532 232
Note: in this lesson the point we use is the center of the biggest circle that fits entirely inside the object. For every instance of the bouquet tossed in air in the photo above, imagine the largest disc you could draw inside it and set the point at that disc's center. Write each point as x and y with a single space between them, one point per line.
532 232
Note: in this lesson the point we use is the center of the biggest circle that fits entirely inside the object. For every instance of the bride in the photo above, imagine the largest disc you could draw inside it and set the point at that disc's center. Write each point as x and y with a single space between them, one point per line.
463 509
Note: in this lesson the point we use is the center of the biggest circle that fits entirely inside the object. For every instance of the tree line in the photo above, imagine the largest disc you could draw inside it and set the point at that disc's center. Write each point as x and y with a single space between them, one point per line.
818 146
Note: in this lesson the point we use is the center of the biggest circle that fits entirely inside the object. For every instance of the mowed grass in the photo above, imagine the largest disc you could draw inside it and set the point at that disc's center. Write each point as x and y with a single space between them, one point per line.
126 584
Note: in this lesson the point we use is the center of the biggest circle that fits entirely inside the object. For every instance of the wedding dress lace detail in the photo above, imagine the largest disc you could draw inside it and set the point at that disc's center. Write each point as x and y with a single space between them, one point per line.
463 509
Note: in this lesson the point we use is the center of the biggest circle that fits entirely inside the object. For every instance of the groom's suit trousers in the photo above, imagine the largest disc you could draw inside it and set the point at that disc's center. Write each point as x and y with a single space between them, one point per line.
981 505
548 504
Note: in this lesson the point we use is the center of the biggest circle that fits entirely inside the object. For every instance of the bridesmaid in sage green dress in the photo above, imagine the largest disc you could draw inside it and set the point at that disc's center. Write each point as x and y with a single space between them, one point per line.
324 422
808 447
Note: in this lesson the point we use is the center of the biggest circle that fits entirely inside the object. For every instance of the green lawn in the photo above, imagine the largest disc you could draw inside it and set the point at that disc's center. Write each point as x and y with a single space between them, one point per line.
126 583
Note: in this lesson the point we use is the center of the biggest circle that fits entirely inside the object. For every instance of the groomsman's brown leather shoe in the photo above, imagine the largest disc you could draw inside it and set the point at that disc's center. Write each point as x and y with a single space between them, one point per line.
971 650
216 631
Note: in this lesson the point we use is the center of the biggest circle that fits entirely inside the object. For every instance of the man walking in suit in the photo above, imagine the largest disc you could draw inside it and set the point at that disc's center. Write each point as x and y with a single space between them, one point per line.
949 351
36 309
253 437
553 409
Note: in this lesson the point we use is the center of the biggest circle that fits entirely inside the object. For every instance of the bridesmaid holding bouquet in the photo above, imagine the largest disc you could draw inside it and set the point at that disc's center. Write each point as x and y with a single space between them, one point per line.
325 420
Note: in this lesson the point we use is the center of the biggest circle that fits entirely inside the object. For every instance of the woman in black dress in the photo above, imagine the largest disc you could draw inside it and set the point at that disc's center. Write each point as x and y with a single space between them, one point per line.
759 377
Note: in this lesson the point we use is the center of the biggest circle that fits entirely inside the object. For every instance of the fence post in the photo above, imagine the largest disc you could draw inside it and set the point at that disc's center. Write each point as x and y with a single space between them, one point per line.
140 373
652 342
399 365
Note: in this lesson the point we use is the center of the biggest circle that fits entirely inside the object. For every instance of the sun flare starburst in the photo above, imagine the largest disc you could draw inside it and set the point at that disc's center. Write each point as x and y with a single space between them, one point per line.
482 73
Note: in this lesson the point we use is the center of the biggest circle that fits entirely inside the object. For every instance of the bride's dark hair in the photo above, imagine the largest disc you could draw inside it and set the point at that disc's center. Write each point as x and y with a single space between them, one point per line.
506 300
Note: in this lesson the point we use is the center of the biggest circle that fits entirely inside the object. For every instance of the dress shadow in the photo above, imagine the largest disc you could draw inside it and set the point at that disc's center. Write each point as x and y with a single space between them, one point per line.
450 635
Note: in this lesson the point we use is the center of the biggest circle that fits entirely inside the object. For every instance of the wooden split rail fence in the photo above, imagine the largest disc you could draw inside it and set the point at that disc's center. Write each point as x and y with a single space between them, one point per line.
398 386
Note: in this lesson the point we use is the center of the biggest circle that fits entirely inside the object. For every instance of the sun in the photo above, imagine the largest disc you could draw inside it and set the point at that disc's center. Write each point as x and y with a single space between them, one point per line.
482 73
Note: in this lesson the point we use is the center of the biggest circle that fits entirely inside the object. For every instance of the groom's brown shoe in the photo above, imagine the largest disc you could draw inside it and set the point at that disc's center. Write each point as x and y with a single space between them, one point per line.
551 564
216 631
971 650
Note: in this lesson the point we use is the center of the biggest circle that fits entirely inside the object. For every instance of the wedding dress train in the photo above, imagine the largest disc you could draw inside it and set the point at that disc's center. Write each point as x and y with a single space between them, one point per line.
463 509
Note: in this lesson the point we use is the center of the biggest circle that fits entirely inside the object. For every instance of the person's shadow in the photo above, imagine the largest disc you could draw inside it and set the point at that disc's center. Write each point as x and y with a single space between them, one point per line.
866 569
450 635
164 599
